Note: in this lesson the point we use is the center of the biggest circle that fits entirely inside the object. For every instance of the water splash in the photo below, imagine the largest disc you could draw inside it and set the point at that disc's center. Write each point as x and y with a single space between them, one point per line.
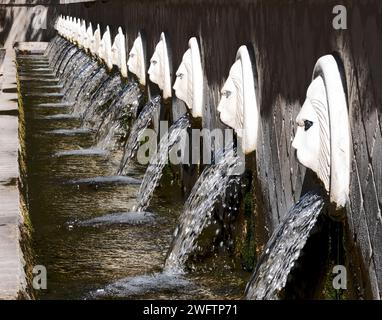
283 248
69 132
208 189
62 48
141 285
72 77
60 116
136 132
106 180
72 89
99 102
158 161
81 152
66 60
131 218
52 45
123 107
83 99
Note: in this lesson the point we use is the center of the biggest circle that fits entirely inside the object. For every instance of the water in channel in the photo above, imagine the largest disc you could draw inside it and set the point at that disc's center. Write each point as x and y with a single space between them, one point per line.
87 233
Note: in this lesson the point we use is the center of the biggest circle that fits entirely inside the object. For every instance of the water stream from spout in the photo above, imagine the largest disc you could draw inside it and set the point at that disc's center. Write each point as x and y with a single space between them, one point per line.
208 189
158 161
284 247
99 102
124 106
136 132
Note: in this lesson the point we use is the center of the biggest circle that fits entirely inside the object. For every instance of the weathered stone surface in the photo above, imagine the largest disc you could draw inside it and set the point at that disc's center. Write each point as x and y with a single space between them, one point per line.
376 164
377 256
371 206
12 276
373 281
356 201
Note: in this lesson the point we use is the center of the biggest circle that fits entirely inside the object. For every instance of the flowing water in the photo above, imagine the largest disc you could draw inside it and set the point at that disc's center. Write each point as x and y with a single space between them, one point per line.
85 230
208 189
136 132
196 215
88 87
99 102
123 108
158 162
284 248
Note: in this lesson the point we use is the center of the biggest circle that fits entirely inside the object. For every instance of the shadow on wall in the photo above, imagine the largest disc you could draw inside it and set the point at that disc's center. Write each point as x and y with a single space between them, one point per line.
30 22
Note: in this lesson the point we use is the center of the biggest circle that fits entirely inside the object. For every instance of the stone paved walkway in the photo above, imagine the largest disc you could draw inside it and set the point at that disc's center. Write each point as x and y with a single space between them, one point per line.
12 276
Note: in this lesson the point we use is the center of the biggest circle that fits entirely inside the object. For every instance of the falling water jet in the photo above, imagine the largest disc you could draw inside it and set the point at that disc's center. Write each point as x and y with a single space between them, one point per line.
60 64
138 128
158 161
87 88
124 106
62 47
79 70
207 191
107 130
284 247
105 93
87 75
210 186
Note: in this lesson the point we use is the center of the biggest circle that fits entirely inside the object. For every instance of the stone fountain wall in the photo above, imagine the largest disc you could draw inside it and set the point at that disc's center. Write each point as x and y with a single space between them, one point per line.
287 37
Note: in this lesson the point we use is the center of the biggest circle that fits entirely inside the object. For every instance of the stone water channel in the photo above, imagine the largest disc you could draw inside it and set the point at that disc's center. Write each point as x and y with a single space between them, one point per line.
82 222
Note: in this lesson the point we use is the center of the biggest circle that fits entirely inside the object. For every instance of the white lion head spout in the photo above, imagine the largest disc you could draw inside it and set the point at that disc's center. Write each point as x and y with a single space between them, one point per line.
88 37
238 103
322 138
105 48
189 79
159 71
82 34
76 31
96 41
137 60
118 52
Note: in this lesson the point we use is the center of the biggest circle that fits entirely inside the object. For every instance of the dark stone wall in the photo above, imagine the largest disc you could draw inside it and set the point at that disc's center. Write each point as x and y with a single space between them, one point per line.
287 37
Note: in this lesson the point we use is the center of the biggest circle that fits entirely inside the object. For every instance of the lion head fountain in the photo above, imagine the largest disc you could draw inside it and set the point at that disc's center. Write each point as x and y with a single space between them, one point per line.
118 52
137 60
238 104
189 79
322 139
105 48
160 71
